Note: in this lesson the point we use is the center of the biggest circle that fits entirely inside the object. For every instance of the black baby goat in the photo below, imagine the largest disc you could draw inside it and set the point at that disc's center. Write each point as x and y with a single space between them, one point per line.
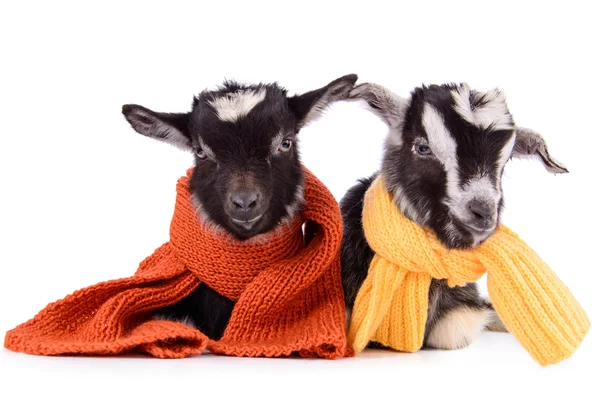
247 177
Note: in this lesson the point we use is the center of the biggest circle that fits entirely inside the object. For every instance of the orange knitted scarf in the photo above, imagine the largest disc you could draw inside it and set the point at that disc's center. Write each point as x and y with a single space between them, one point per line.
288 293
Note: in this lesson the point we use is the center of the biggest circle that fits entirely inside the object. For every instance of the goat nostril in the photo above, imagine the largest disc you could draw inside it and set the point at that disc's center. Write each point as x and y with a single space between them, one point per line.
480 210
477 215
244 200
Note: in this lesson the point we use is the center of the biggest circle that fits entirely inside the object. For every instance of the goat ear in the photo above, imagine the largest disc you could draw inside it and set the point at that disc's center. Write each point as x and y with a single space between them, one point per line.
310 106
388 106
529 143
166 127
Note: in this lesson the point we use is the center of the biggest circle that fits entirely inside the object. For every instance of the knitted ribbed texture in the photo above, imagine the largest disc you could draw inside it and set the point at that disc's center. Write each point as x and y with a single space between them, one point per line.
288 293
391 305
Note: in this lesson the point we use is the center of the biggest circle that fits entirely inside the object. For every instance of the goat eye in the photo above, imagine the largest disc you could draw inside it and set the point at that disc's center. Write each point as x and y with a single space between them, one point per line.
423 149
286 145
201 154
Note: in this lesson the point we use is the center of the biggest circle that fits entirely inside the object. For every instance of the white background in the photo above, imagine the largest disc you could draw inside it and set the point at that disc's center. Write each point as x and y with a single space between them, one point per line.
84 198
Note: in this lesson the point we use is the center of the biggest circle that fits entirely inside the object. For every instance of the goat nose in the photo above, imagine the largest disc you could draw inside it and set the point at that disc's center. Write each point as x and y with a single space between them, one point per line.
244 200
481 210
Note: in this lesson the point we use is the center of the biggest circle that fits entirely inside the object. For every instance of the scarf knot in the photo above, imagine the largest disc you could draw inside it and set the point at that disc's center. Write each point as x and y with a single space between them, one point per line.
403 242
391 305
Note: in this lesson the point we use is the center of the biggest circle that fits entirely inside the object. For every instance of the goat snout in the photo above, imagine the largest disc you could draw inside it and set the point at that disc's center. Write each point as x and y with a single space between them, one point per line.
245 207
482 214
244 200
481 210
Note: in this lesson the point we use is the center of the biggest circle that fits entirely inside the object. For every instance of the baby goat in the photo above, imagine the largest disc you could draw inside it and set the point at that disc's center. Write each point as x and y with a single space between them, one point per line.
443 161
247 177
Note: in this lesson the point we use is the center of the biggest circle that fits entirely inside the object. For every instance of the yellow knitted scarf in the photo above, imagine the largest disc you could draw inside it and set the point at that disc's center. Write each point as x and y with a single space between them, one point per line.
391 305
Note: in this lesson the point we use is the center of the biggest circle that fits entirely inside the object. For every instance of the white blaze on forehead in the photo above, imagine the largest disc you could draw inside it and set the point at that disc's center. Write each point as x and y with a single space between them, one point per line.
443 145
441 141
232 106
486 110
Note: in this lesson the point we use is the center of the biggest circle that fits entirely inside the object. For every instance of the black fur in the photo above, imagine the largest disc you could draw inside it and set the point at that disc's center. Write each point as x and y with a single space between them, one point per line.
207 309
238 157
356 255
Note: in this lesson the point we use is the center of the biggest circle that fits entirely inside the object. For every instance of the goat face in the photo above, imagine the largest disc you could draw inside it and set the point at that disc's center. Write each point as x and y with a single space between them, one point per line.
445 154
247 176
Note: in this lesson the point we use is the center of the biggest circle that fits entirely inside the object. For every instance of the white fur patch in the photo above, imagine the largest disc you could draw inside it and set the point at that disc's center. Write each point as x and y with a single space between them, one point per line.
232 106
458 328
443 145
462 102
481 189
293 208
487 110
204 218
441 141
408 209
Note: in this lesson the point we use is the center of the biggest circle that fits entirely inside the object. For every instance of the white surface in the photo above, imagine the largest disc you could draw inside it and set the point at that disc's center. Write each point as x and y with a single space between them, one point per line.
84 198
